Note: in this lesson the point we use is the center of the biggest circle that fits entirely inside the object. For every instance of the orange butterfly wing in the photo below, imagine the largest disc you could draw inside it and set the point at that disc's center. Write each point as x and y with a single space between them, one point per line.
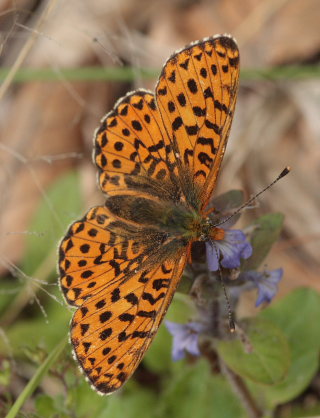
122 288
196 95
132 152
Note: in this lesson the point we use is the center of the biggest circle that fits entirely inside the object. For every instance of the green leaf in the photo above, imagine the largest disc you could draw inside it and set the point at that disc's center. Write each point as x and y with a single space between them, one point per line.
45 406
82 401
227 201
5 372
158 358
266 232
192 391
134 402
59 206
298 315
267 361
45 333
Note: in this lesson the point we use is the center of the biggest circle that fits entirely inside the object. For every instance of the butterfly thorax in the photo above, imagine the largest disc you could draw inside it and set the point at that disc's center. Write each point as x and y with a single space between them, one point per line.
174 219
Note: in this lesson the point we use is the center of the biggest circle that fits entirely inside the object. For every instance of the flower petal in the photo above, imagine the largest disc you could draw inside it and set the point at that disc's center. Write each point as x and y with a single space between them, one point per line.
266 282
193 346
185 338
268 285
212 256
234 247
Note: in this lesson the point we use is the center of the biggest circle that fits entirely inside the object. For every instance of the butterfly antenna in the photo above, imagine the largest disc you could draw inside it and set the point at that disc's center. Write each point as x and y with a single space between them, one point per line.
283 173
232 325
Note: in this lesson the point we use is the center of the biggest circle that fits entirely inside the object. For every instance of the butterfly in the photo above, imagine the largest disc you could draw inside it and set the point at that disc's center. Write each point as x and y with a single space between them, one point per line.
158 157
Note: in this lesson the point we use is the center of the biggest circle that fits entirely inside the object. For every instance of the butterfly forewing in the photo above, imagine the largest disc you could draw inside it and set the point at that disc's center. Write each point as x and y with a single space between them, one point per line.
132 152
196 96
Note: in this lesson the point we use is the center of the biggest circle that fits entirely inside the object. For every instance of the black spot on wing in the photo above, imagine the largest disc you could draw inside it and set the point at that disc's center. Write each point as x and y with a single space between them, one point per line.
192 85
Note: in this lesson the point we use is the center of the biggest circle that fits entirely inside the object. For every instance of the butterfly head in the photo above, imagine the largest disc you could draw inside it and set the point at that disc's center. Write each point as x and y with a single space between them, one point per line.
209 232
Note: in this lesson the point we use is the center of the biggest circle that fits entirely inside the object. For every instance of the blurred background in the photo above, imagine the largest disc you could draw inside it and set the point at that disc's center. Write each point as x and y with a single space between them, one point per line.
53 93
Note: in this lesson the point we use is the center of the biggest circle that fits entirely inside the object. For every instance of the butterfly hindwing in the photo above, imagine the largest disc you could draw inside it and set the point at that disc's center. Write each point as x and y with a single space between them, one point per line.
101 251
93 257
113 329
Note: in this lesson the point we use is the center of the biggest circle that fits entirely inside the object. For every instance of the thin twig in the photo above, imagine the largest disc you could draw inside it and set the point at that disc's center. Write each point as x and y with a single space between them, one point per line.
242 392
26 47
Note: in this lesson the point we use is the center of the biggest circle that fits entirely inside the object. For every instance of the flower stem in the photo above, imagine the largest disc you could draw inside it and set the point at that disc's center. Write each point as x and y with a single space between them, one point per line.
241 391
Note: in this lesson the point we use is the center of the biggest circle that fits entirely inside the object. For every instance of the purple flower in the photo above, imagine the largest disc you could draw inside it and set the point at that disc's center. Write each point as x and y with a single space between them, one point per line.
266 282
231 248
185 338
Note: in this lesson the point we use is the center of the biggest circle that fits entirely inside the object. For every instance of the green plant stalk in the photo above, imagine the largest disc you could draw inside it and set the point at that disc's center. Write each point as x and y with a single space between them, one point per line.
241 391
129 73
36 379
